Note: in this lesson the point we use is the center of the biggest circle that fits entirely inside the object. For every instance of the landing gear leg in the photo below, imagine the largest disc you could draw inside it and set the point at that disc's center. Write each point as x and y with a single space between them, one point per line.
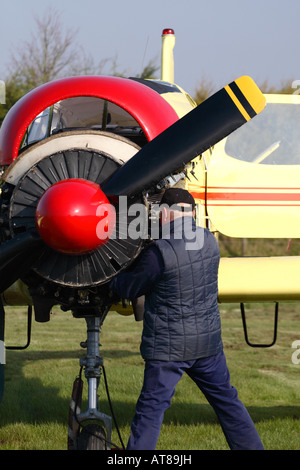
91 430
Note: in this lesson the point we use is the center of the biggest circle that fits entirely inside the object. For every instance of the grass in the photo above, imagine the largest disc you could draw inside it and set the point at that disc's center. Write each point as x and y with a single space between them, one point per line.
34 410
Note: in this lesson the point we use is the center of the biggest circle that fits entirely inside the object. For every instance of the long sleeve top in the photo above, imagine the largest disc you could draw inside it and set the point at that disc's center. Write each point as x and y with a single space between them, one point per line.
139 280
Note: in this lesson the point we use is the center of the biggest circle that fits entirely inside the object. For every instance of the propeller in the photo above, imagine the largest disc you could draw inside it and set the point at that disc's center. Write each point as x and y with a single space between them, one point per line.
197 131
204 126
17 256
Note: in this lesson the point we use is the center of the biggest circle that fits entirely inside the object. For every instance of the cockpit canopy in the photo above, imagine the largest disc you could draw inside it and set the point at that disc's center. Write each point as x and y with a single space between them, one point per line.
83 112
272 138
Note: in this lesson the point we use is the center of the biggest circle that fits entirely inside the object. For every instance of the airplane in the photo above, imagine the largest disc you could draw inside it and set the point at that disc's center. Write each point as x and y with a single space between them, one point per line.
76 145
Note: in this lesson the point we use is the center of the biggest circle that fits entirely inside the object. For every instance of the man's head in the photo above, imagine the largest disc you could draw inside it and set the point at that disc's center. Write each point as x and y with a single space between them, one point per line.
176 202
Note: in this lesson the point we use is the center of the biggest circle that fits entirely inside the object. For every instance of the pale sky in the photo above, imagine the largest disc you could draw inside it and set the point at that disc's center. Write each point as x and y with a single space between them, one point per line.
218 40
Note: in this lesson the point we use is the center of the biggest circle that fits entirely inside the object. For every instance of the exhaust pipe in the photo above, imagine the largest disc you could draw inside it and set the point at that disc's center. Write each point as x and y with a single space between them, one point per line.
167 60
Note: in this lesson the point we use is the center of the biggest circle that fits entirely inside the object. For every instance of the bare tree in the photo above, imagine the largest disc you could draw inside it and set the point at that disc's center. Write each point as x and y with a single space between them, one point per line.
50 53
47 55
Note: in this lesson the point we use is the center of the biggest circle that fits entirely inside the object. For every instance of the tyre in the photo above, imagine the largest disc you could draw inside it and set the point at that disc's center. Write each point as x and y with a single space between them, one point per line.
91 437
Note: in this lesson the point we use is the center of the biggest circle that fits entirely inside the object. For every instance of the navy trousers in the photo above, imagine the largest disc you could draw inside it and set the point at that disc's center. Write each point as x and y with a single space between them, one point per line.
212 377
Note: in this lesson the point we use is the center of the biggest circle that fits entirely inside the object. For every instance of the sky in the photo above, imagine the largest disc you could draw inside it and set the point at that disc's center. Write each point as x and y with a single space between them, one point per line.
216 40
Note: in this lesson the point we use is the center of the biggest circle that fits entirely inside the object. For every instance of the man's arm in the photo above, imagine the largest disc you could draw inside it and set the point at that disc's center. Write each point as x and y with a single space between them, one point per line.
138 281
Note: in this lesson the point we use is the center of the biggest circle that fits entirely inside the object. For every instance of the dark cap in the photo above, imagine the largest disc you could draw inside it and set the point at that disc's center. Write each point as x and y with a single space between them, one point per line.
174 196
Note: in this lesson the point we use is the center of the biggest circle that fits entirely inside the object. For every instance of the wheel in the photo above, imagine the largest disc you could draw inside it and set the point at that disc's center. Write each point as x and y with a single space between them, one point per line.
91 437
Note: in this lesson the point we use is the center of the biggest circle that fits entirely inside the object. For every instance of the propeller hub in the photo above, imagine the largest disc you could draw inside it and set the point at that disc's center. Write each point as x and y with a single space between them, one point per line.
74 216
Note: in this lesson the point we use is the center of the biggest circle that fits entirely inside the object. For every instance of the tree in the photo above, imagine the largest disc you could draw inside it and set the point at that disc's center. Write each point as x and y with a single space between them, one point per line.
285 88
149 70
49 54
204 90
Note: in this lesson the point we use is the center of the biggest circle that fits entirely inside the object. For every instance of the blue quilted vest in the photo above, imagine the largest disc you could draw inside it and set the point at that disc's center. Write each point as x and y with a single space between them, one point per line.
182 320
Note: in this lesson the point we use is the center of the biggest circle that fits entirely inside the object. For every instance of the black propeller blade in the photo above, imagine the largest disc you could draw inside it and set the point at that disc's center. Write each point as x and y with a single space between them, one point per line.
200 129
17 256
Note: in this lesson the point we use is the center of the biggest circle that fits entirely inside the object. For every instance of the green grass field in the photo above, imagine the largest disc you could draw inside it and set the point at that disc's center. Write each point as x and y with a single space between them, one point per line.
34 410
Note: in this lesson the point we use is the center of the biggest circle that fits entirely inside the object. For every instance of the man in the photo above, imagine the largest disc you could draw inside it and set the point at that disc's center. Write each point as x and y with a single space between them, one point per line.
178 274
